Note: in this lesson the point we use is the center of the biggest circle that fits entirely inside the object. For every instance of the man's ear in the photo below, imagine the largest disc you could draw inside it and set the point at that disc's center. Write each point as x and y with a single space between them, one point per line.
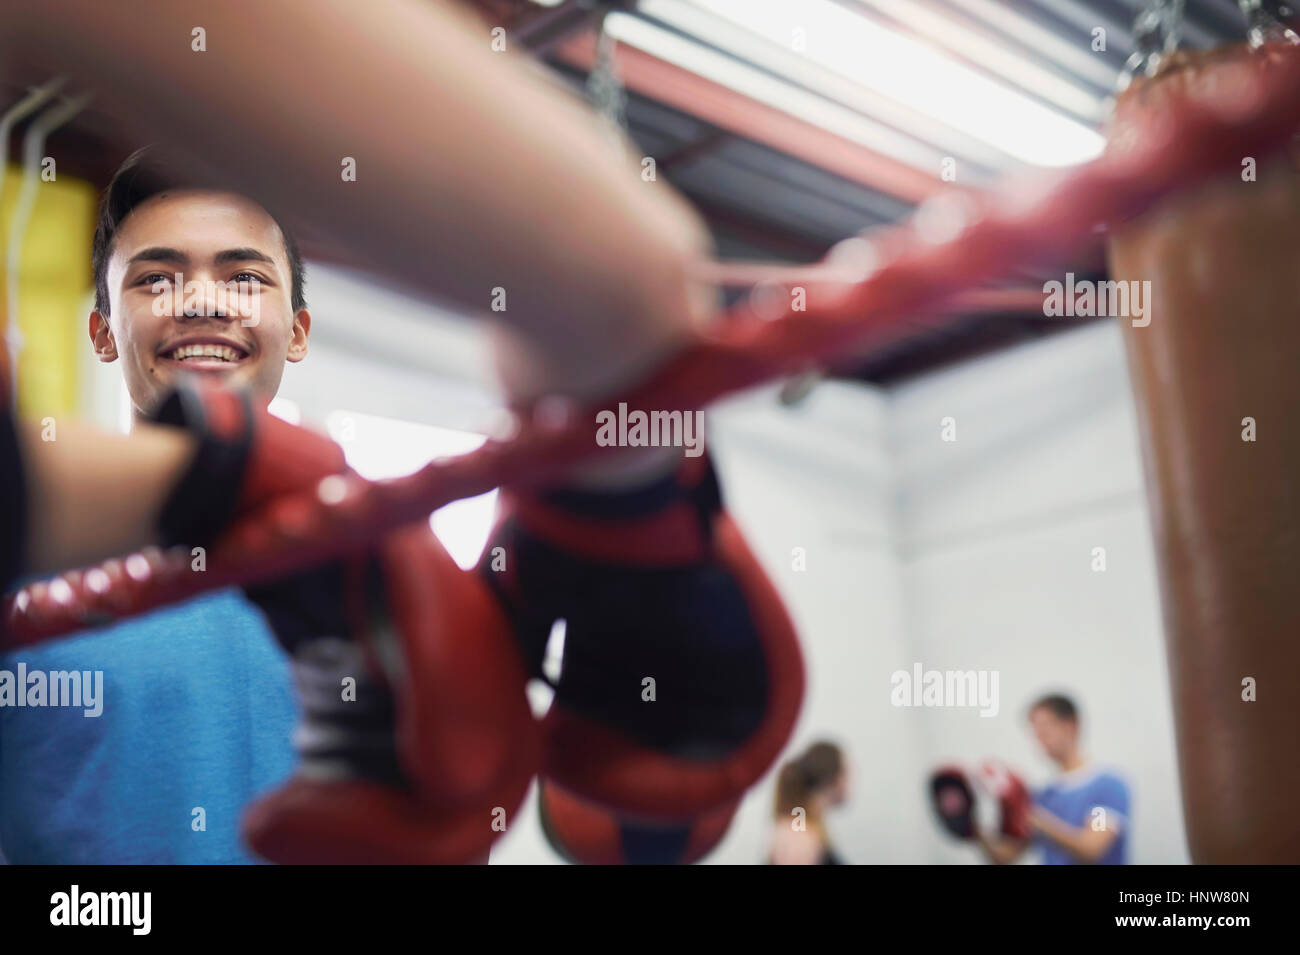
101 337
301 331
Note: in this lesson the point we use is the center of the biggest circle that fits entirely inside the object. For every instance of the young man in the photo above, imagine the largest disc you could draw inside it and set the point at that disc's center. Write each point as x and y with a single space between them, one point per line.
196 706
1082 816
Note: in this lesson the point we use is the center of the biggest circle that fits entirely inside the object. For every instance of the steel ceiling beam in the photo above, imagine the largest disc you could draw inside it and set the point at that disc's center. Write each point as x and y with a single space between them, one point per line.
741 116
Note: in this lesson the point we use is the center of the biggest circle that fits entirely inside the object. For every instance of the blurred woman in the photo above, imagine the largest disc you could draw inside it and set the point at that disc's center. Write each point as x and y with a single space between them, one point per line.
806 787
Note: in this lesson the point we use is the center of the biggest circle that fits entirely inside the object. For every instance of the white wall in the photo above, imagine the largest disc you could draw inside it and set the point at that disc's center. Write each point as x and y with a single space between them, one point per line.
998 531
819 477
964 555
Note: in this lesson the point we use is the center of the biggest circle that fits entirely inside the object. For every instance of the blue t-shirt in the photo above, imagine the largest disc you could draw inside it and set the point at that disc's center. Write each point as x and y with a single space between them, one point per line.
197 712
1074 799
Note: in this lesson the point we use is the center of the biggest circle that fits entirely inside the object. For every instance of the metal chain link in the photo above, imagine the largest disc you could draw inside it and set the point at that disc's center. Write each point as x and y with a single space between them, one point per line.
1270 21
604 87
1157 32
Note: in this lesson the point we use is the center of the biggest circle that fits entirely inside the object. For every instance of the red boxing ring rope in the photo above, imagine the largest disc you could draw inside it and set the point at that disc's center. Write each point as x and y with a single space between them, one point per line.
954 242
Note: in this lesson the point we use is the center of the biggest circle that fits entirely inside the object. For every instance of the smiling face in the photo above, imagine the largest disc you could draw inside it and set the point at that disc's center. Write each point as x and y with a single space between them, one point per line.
163 332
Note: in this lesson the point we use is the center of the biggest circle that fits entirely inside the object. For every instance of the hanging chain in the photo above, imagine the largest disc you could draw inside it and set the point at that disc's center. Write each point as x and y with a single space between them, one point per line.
1270 21
604 87
1157 31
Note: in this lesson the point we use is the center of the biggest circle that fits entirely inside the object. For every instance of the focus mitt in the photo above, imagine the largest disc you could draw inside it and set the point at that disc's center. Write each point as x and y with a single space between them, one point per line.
953 801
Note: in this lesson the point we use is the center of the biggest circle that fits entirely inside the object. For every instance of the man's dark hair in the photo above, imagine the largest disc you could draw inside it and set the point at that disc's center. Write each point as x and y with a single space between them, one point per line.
142 176
1062 707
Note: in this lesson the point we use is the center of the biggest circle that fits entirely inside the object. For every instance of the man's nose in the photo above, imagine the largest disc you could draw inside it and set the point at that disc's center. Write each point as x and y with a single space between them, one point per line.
204 298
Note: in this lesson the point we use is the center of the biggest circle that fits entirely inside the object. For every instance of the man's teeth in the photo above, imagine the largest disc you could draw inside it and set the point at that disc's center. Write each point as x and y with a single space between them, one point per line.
221 352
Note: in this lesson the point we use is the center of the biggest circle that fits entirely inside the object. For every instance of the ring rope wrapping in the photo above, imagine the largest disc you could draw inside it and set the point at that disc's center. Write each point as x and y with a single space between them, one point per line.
953 243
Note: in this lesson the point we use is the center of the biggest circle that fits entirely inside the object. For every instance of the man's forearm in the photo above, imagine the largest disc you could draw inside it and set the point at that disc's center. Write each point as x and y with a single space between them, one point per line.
1082 843
472 174
1000 851
93 495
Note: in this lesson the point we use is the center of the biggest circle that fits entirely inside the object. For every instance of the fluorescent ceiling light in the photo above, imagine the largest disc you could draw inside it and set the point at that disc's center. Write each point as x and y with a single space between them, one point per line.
769 90
997 56
894 67
892 129
1081 60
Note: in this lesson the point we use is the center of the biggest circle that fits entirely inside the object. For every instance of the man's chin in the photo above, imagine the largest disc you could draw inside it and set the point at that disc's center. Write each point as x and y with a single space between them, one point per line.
218 372
224 374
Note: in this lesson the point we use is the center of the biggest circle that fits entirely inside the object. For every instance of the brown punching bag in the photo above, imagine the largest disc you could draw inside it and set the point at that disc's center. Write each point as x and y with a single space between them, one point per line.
1217 380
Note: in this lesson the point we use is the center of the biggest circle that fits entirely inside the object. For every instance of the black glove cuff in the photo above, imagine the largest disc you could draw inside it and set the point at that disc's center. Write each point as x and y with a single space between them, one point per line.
203 503
338 738
13 504
696 481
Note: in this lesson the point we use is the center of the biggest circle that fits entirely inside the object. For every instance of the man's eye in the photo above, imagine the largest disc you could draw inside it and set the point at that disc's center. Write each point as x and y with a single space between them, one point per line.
249 277
153 278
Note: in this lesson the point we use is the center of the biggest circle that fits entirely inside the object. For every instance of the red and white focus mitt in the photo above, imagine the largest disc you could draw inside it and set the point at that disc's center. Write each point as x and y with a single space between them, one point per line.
1013 797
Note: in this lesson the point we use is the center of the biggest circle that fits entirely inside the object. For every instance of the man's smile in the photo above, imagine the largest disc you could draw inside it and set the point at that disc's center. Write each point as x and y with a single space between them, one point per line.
204 354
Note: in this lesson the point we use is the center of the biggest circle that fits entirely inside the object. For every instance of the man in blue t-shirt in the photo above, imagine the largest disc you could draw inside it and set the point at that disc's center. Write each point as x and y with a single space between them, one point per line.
189 709
1082 816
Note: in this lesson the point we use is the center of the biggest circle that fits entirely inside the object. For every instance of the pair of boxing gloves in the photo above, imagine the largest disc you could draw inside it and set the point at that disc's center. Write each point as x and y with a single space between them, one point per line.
681 678
954 799
680 684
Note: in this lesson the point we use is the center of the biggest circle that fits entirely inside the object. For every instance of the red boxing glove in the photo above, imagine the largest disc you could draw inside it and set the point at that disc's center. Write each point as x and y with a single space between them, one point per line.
431 754
245 456
417 742
682 675
1013 796
586 833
